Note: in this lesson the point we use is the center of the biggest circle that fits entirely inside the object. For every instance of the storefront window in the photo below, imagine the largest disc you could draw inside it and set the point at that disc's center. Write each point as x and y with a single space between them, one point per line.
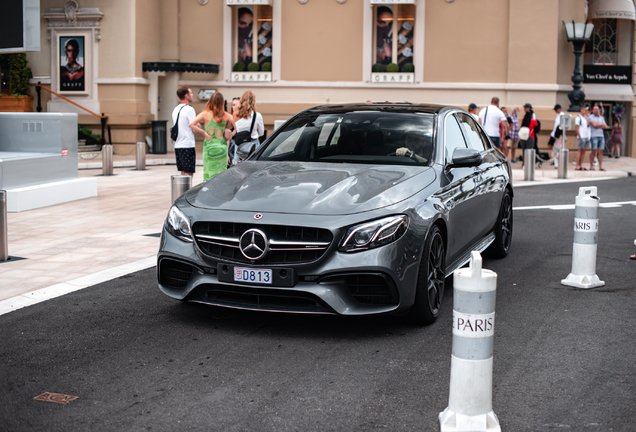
253 51
604 48
393 38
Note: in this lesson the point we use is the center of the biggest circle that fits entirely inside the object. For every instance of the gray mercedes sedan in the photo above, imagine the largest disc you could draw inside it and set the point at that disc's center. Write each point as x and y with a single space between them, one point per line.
346 209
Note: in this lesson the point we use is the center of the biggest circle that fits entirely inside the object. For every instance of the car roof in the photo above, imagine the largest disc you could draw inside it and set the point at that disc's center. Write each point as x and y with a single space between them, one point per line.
395 107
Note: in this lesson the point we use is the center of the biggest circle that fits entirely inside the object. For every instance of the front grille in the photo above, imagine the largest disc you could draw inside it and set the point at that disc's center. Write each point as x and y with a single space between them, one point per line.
287 244
264 299
175 274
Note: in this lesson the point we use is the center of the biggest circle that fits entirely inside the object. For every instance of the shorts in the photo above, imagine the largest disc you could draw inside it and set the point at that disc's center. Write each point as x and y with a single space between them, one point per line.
186 159
496 141
526 144
512 143
584 143
598 143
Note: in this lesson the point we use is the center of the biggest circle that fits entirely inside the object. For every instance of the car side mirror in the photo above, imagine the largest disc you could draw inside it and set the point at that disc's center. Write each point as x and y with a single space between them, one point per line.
465 157
245 150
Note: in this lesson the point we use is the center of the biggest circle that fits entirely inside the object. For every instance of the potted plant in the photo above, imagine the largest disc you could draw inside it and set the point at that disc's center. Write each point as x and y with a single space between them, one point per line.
18 98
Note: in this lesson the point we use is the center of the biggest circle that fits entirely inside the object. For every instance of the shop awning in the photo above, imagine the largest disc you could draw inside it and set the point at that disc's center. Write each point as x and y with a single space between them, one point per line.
179 67
621 9
608 92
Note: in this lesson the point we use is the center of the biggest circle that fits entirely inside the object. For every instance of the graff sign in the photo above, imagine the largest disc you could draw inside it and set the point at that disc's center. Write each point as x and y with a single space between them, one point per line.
392 78
251 76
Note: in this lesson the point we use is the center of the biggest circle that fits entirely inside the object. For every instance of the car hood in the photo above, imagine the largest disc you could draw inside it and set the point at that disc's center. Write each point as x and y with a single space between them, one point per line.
310 187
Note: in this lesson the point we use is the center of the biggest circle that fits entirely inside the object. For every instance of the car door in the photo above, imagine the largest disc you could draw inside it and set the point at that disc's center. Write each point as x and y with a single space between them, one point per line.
456 192
488 179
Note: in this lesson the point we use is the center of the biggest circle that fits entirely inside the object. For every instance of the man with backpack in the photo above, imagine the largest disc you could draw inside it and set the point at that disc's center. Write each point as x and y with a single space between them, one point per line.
181 134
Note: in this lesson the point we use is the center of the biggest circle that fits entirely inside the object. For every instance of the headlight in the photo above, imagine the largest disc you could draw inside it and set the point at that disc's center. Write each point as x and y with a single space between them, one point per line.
374 234
178 224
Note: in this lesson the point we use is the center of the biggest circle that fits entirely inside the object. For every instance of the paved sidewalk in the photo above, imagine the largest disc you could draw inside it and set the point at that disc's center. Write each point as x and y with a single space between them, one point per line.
81 243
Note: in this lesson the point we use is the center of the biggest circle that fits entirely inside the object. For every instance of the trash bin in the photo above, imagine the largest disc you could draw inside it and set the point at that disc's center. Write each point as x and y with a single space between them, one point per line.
159 136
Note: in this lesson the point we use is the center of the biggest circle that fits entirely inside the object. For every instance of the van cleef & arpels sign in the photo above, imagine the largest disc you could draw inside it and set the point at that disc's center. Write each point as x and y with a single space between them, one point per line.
593 74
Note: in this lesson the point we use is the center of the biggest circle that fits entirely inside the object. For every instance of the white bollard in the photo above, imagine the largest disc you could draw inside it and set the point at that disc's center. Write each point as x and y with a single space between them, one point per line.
583 273
470 396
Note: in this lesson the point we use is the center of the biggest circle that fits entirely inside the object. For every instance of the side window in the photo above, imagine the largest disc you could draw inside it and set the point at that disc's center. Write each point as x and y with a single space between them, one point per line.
289 143
453 137
473 134
325 133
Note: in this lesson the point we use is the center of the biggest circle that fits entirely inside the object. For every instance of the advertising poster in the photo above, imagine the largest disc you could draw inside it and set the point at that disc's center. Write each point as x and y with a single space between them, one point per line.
72 63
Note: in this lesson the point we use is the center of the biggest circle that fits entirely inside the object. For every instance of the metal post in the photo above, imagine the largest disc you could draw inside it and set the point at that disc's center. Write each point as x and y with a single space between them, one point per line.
103 120
529 159
180 185
38 90
564 156
107 160
4 242
141 156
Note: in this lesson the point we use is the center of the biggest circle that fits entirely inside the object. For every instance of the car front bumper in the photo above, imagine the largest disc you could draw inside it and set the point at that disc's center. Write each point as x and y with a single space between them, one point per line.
375 281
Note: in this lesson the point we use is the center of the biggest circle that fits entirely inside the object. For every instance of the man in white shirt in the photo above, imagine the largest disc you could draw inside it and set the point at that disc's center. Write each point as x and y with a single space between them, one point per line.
583 131
556 132
491 119
184 149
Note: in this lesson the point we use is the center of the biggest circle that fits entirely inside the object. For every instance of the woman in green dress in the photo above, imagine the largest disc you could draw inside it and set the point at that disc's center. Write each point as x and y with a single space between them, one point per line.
216 130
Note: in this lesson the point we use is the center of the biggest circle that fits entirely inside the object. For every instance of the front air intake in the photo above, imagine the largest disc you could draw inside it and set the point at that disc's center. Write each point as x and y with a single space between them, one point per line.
174 274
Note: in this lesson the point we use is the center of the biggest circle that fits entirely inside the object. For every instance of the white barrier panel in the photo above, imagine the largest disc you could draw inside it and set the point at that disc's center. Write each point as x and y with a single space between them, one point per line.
470 396
583 273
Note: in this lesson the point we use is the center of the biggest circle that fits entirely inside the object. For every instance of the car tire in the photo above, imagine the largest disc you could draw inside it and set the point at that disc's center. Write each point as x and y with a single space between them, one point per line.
430 281
503 228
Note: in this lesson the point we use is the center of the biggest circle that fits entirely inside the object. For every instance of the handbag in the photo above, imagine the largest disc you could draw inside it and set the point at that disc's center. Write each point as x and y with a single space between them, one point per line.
174 130
524 133
245 136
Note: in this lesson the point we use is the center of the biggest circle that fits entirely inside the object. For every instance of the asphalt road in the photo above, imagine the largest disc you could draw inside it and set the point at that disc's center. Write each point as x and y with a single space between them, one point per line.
138 360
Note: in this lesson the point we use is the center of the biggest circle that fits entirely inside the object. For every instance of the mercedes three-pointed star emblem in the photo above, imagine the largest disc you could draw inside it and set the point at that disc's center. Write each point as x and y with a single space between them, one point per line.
254 244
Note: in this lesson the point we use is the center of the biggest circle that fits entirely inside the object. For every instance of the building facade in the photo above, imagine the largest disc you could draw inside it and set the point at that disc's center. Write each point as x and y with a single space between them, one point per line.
294 54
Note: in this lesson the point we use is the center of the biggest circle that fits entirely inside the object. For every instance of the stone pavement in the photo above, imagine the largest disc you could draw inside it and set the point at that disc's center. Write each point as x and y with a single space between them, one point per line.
62 248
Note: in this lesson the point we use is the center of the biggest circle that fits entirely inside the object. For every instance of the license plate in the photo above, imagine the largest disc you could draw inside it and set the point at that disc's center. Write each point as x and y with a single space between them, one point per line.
252 275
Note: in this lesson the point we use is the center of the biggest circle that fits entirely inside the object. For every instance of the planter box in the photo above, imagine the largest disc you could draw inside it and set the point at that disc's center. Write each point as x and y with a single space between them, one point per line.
251 77
392 77
16 104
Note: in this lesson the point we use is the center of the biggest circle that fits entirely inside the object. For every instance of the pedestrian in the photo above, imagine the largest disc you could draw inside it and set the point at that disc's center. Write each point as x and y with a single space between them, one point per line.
597 136
472 110
249 123
556 130
503 132
491 118
184 146
232 144
617 138
583 130
513 140
215 124
527 135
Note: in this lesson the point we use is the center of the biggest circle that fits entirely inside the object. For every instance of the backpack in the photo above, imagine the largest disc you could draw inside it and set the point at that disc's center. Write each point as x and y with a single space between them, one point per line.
245 136
174 131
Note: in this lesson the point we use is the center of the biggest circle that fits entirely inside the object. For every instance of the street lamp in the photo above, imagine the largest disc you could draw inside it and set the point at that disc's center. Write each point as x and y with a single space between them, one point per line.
579 34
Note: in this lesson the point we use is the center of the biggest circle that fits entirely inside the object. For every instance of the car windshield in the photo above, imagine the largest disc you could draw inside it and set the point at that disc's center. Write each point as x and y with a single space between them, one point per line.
368 137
